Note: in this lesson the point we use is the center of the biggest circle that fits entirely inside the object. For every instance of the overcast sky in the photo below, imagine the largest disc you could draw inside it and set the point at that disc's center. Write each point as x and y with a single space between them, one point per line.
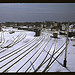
37 12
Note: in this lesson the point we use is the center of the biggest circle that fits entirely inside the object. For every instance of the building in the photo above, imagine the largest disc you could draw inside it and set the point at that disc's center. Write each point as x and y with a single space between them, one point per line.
71 30
63 27
55 24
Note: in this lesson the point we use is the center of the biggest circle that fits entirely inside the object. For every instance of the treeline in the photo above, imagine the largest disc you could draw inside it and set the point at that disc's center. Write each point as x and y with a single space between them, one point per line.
37 24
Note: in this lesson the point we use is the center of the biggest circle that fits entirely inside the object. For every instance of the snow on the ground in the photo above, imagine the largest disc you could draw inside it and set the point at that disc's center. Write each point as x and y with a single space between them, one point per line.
57 66
70 64
71 56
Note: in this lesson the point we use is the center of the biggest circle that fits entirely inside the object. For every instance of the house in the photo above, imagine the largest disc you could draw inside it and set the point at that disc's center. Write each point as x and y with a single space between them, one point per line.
55 24
63 27
71 30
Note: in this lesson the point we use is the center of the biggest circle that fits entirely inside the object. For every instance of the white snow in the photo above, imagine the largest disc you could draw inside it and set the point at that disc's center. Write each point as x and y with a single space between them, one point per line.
16 56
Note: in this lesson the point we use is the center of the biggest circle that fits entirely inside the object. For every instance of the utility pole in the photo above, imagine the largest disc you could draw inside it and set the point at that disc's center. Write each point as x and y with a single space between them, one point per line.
65 59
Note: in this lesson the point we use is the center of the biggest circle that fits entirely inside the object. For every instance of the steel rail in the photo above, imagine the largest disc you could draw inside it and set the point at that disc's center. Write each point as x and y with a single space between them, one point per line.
21 57
24 46
19 49
38 55
51 57
31 56
45 57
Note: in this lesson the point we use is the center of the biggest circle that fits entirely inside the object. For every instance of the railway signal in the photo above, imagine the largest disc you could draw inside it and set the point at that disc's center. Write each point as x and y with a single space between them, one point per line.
65 59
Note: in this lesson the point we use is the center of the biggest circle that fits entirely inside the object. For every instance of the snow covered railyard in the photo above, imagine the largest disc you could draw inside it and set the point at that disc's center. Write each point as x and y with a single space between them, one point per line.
21 51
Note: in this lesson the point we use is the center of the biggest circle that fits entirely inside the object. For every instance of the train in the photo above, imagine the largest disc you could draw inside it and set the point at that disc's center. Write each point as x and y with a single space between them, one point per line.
55 34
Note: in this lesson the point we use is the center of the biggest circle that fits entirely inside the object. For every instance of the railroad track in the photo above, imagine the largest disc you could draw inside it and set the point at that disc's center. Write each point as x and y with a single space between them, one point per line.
17 40
22 53
47 69
36 45
44 58
42 63
39 54
33 56
51 57
21 57
50 61
11 42
19 49
55 58
2 39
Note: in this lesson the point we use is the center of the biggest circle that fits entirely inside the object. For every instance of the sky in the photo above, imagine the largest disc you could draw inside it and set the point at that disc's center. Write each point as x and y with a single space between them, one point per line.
31 12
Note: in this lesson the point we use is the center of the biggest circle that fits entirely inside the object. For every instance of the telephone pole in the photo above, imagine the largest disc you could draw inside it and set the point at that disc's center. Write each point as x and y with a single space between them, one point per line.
65 59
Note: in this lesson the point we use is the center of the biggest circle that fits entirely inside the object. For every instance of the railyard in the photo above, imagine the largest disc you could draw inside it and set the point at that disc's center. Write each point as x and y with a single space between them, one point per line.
22 51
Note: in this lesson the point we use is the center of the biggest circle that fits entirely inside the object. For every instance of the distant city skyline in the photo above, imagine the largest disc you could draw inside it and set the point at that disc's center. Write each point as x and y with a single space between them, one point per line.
31 12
